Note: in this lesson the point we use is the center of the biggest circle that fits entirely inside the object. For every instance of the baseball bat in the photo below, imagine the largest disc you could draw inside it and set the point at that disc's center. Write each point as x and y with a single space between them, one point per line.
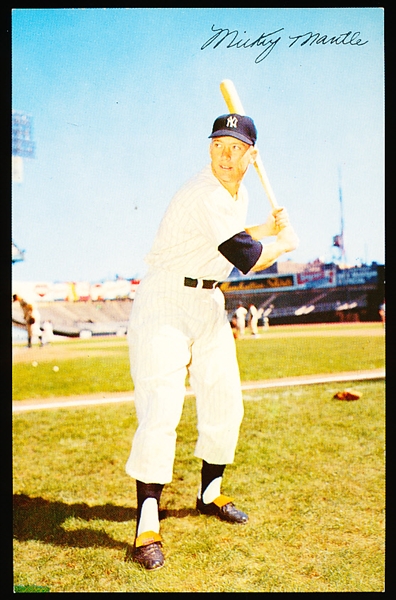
234 105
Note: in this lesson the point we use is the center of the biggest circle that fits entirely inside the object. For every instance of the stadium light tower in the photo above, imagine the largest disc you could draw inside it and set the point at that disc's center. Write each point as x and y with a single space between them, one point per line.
22 143
22 147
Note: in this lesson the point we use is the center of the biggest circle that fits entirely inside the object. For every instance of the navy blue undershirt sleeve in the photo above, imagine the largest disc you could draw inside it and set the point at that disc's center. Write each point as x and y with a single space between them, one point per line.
242 251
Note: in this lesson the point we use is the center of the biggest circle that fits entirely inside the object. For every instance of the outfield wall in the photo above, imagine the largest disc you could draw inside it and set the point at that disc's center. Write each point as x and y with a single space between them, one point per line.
320 293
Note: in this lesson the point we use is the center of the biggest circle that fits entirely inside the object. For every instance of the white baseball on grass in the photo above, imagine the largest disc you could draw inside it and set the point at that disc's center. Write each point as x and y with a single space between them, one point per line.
56 369
34 363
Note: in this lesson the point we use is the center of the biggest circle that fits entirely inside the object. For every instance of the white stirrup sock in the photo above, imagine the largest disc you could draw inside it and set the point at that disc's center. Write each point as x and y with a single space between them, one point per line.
212 491
149 517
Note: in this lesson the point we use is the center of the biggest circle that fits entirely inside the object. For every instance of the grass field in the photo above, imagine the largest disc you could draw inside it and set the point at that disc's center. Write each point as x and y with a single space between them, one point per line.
309 470
101 365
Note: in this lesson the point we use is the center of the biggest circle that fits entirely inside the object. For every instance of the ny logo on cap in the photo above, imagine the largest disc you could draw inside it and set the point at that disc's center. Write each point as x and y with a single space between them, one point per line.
232 122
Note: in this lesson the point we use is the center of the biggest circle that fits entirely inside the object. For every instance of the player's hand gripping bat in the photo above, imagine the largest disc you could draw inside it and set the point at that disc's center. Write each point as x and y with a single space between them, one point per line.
234 105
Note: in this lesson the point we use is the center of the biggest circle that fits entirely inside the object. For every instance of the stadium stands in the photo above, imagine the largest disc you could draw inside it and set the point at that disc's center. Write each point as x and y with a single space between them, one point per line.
320 293
109 317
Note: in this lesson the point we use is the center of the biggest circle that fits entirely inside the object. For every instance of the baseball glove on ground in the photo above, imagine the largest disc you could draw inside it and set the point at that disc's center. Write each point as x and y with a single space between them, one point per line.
348 395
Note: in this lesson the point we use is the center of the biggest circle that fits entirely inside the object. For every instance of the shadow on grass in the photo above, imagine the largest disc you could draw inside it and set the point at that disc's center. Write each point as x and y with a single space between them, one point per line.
40 519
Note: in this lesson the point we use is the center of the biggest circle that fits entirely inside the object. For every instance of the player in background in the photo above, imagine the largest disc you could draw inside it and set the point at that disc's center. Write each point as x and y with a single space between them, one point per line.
32 320
381 311
178 324
253 319
240 314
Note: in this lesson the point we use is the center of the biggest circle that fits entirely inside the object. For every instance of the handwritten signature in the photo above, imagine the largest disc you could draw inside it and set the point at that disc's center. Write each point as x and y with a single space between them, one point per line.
268 41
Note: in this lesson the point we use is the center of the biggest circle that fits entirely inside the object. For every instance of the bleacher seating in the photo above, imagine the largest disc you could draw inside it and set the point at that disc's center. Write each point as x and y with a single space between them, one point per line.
69 318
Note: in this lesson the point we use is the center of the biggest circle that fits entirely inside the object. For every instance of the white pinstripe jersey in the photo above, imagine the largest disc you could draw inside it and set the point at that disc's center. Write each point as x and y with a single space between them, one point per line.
200 216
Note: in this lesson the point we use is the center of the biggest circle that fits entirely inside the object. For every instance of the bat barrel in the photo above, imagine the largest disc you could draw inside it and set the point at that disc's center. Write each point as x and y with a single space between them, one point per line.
234 105
231 97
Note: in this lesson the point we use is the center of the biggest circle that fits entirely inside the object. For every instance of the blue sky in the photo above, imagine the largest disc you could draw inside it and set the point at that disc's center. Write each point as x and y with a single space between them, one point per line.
123 100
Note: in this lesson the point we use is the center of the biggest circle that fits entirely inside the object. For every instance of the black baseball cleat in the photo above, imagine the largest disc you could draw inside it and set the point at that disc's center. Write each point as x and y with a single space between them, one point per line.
147 551
223 508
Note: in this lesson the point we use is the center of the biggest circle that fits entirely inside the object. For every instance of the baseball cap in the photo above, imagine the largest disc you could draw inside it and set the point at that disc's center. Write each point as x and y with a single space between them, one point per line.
237 126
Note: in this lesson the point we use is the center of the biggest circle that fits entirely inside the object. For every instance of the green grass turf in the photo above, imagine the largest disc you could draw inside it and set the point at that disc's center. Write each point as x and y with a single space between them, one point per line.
309 470
102 365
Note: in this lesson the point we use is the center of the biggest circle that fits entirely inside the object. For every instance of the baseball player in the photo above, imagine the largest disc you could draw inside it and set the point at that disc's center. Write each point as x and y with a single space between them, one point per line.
32 319
240 314
253 319
178 324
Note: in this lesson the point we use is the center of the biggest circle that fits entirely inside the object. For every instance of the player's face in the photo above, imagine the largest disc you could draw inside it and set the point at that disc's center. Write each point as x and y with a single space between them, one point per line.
230 160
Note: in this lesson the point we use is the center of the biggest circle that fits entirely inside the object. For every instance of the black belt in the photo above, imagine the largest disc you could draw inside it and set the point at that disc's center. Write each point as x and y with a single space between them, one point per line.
207 284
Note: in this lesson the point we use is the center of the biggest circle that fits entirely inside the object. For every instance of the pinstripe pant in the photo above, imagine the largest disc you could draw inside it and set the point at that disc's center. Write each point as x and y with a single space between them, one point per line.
175 330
